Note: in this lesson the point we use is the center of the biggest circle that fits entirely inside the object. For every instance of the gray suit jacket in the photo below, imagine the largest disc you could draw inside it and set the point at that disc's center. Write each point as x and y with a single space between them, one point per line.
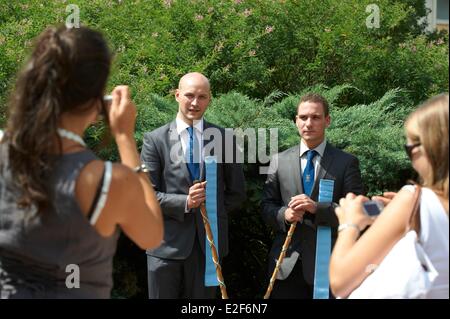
284 182
171 181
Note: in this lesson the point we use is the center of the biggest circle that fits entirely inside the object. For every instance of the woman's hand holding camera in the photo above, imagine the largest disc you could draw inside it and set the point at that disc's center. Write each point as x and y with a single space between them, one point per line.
121 113
386 198
350 211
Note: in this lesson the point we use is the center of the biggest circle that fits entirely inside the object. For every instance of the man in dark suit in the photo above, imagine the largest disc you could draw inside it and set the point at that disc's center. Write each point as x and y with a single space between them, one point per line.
174 154
291 195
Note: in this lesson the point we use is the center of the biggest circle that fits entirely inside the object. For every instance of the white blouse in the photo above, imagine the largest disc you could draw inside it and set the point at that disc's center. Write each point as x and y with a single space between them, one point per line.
434 236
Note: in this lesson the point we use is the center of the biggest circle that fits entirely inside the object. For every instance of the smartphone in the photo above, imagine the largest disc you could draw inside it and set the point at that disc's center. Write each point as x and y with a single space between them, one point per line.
373 207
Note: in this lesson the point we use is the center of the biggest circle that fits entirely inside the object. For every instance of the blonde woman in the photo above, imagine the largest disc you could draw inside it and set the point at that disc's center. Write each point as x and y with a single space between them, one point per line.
427 146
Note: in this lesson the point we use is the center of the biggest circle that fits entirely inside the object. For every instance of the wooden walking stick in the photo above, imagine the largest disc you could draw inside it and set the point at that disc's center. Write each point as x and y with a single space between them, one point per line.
287 241
215 257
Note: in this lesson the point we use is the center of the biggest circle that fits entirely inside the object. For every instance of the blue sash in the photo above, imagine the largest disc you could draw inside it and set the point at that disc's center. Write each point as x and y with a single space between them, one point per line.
211 210
323 246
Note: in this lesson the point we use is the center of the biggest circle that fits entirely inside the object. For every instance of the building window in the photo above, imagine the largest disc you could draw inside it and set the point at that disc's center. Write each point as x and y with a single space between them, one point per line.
438 15
442 11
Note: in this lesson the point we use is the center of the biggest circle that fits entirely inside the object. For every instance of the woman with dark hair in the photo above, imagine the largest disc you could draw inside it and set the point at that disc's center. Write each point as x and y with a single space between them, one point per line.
60 206
353 258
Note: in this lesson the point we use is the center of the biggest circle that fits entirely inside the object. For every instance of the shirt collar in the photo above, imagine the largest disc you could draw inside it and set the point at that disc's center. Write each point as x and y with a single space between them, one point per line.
319 149
182 126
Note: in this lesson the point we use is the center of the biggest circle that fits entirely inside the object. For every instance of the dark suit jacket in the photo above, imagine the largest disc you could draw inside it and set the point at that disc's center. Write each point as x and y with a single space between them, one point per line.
171 181
284 182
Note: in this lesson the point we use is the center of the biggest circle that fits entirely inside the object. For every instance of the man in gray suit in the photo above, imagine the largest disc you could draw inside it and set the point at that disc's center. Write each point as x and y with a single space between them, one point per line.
176 269
291 195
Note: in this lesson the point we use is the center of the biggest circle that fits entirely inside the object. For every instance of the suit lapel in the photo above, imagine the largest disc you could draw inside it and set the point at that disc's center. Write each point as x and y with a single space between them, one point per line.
206 125
322 169
294 158
175 142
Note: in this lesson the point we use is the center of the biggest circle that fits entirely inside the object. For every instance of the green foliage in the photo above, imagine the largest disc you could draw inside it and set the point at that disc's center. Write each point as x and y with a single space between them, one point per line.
154 111
374 133
253 47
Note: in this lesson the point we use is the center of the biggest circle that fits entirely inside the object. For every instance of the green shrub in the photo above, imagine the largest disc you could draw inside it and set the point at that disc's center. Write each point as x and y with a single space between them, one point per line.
253 47
374 133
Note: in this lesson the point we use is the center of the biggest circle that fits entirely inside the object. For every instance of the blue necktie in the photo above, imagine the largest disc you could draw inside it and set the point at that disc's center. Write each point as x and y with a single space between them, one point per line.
192 156
308 173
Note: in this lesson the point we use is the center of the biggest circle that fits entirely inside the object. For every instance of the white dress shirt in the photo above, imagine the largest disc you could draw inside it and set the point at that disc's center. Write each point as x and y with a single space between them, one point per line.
320 149
184 138
184 135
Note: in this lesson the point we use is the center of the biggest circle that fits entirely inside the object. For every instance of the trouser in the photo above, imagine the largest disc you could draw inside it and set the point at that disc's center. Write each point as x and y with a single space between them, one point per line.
294 286
179 279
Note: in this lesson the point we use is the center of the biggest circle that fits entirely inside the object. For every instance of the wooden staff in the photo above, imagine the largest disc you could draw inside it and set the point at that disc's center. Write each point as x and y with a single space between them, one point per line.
214 255
287 241
215 258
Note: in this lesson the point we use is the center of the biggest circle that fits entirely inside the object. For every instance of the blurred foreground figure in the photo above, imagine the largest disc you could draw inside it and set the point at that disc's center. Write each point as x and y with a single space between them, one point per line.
353 259
59 204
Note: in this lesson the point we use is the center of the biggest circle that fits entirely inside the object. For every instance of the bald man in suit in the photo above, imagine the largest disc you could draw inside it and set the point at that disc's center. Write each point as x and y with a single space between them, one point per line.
176 269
